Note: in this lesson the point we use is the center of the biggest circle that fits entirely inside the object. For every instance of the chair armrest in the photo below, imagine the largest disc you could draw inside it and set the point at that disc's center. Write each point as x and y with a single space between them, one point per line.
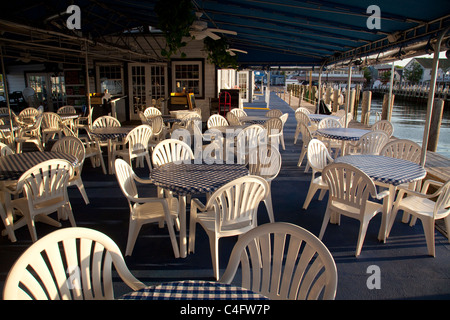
382 194
196 204
427 184
403 190
143 181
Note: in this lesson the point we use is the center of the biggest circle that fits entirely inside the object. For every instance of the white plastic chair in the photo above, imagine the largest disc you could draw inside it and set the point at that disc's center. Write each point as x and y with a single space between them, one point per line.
283 261
239 112
402 149
145 210
274 129
318 158
41 197
283 119
306 138
300 117
66 110
383 125
267 166
51 126
303 109
230 211
92 149
331 143
274 113
369 143
152 111
136 145
349 191
30 134
81 261
216 120
171 150
158 129
232 119
342 119
5 150
106 121
28 113
248 140
423 206
75 147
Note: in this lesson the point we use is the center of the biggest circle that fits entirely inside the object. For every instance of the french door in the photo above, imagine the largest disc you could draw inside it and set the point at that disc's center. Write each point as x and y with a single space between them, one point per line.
243 83
147 84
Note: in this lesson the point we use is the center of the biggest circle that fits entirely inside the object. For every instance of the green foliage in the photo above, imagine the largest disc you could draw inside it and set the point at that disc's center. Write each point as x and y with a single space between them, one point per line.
218 54
174 19
414 73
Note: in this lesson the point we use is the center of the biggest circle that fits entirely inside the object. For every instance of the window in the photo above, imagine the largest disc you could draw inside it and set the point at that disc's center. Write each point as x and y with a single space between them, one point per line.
188 75
110 78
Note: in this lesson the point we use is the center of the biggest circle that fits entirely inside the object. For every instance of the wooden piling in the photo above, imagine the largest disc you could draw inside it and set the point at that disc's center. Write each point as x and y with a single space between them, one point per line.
435 125
386 111
365 107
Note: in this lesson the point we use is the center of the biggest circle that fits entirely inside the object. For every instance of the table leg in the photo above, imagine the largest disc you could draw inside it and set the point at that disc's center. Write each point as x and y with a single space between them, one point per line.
388 203
7 217
110 164
182 217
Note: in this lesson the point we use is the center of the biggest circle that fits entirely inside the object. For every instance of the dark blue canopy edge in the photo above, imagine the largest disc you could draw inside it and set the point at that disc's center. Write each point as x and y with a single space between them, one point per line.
273 32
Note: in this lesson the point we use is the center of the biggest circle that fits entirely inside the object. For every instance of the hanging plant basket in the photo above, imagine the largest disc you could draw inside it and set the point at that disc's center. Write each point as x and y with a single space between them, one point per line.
175 17
218 54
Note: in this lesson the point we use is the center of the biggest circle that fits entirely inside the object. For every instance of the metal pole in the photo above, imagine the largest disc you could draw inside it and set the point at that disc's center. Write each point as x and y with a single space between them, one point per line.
349 82
437 49
5 86
88 90
319 92
390 106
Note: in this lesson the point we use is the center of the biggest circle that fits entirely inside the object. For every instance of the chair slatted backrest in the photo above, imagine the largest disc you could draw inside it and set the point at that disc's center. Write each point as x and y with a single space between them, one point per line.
105 121
138 139
283 261
68 264
402 149
349 186
236 203
171 150
216 120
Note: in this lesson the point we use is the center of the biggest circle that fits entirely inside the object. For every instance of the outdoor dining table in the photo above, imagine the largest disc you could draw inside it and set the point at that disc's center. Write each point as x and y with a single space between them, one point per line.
254 119
386 172
191 178
110 134
11 169
180 114
343 134
193 290
319 117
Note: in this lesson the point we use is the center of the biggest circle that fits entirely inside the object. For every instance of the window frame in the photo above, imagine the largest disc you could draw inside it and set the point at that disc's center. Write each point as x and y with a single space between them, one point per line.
200 63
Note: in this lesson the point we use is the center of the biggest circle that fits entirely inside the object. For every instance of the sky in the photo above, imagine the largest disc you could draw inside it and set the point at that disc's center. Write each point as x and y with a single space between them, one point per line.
404 62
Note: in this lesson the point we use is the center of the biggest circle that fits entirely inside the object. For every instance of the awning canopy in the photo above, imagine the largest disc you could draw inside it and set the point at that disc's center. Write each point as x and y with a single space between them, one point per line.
273 32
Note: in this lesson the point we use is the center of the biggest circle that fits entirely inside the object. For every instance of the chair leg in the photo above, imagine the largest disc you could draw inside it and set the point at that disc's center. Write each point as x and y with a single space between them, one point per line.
326 220
311 192
428 228
297 132
214 248
80 185
269 206
173 237
362 235
302 156
133 232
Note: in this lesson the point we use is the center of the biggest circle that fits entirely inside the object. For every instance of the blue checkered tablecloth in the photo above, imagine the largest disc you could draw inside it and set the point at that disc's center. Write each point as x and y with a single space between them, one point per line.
193 290
13 166
385 169
254 119
347 134
110 132
184 179
318 117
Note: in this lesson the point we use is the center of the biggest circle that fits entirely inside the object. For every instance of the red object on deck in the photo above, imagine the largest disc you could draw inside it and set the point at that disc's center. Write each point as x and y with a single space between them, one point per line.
224 103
